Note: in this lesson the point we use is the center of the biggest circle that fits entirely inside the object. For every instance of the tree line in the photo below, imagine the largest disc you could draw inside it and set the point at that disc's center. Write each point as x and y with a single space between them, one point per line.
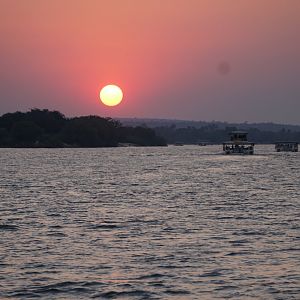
44 128
214 134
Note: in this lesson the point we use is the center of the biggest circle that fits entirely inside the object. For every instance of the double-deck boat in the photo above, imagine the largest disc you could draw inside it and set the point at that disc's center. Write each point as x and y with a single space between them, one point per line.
238 144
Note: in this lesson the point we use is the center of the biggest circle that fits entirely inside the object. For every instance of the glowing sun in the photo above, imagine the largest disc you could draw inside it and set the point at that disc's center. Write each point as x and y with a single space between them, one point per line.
111 95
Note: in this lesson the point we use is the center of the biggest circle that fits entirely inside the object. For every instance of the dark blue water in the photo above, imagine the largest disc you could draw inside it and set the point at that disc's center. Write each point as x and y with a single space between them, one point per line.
149 223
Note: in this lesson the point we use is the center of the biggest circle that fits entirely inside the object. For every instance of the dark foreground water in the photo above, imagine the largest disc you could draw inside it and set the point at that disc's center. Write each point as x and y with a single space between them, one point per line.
149 223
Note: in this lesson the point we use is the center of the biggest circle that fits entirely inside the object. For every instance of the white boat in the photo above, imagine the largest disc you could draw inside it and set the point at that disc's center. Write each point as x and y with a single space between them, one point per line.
238 144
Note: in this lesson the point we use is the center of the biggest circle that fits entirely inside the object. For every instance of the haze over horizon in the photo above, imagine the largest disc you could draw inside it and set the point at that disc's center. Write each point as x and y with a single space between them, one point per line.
207 60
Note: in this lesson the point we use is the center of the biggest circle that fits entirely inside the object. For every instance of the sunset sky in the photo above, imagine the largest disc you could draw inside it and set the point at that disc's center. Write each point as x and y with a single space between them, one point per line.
226 60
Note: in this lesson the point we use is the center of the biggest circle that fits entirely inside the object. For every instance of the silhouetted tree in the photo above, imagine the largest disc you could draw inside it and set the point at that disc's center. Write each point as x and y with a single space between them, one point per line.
50 121
91 131
9 119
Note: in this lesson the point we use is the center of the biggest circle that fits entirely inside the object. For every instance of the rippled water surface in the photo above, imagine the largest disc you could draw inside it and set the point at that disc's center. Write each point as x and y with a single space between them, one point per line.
149 223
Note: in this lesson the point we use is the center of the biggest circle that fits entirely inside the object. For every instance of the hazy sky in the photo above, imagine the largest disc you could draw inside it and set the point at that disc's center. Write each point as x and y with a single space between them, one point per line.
227 60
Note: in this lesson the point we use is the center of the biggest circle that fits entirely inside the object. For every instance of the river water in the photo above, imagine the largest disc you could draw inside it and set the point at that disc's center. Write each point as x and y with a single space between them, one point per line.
149 223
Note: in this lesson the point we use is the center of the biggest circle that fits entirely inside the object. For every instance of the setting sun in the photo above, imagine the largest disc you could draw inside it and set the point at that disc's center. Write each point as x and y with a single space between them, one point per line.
111 95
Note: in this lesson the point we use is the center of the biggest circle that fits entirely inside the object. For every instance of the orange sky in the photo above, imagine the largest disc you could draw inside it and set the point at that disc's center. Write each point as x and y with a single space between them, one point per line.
164 54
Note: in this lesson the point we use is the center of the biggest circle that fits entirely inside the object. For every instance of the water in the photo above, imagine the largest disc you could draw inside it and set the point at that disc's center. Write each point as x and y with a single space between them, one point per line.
149 223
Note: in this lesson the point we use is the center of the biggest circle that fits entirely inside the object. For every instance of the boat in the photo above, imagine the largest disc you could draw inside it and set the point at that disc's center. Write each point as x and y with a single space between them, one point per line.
286 146
238 144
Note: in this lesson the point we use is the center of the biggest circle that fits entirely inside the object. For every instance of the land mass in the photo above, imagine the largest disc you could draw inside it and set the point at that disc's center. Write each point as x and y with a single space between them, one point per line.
200 132
44 128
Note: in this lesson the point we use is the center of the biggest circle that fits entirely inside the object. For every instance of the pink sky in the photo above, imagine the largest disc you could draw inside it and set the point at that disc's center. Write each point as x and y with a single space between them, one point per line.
164 54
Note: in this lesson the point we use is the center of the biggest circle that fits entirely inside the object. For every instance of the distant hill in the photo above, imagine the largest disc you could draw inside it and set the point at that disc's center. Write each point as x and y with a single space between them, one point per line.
44 128
152 123
197 132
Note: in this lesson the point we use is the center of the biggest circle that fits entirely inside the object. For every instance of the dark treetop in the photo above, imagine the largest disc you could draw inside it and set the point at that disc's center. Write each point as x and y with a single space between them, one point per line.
44 128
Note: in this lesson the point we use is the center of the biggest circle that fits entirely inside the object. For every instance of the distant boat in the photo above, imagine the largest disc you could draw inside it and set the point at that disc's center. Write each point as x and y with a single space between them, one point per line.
238 144
286 146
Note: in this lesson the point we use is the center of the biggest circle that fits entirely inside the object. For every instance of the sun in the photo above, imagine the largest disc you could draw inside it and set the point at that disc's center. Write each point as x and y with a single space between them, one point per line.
111 95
